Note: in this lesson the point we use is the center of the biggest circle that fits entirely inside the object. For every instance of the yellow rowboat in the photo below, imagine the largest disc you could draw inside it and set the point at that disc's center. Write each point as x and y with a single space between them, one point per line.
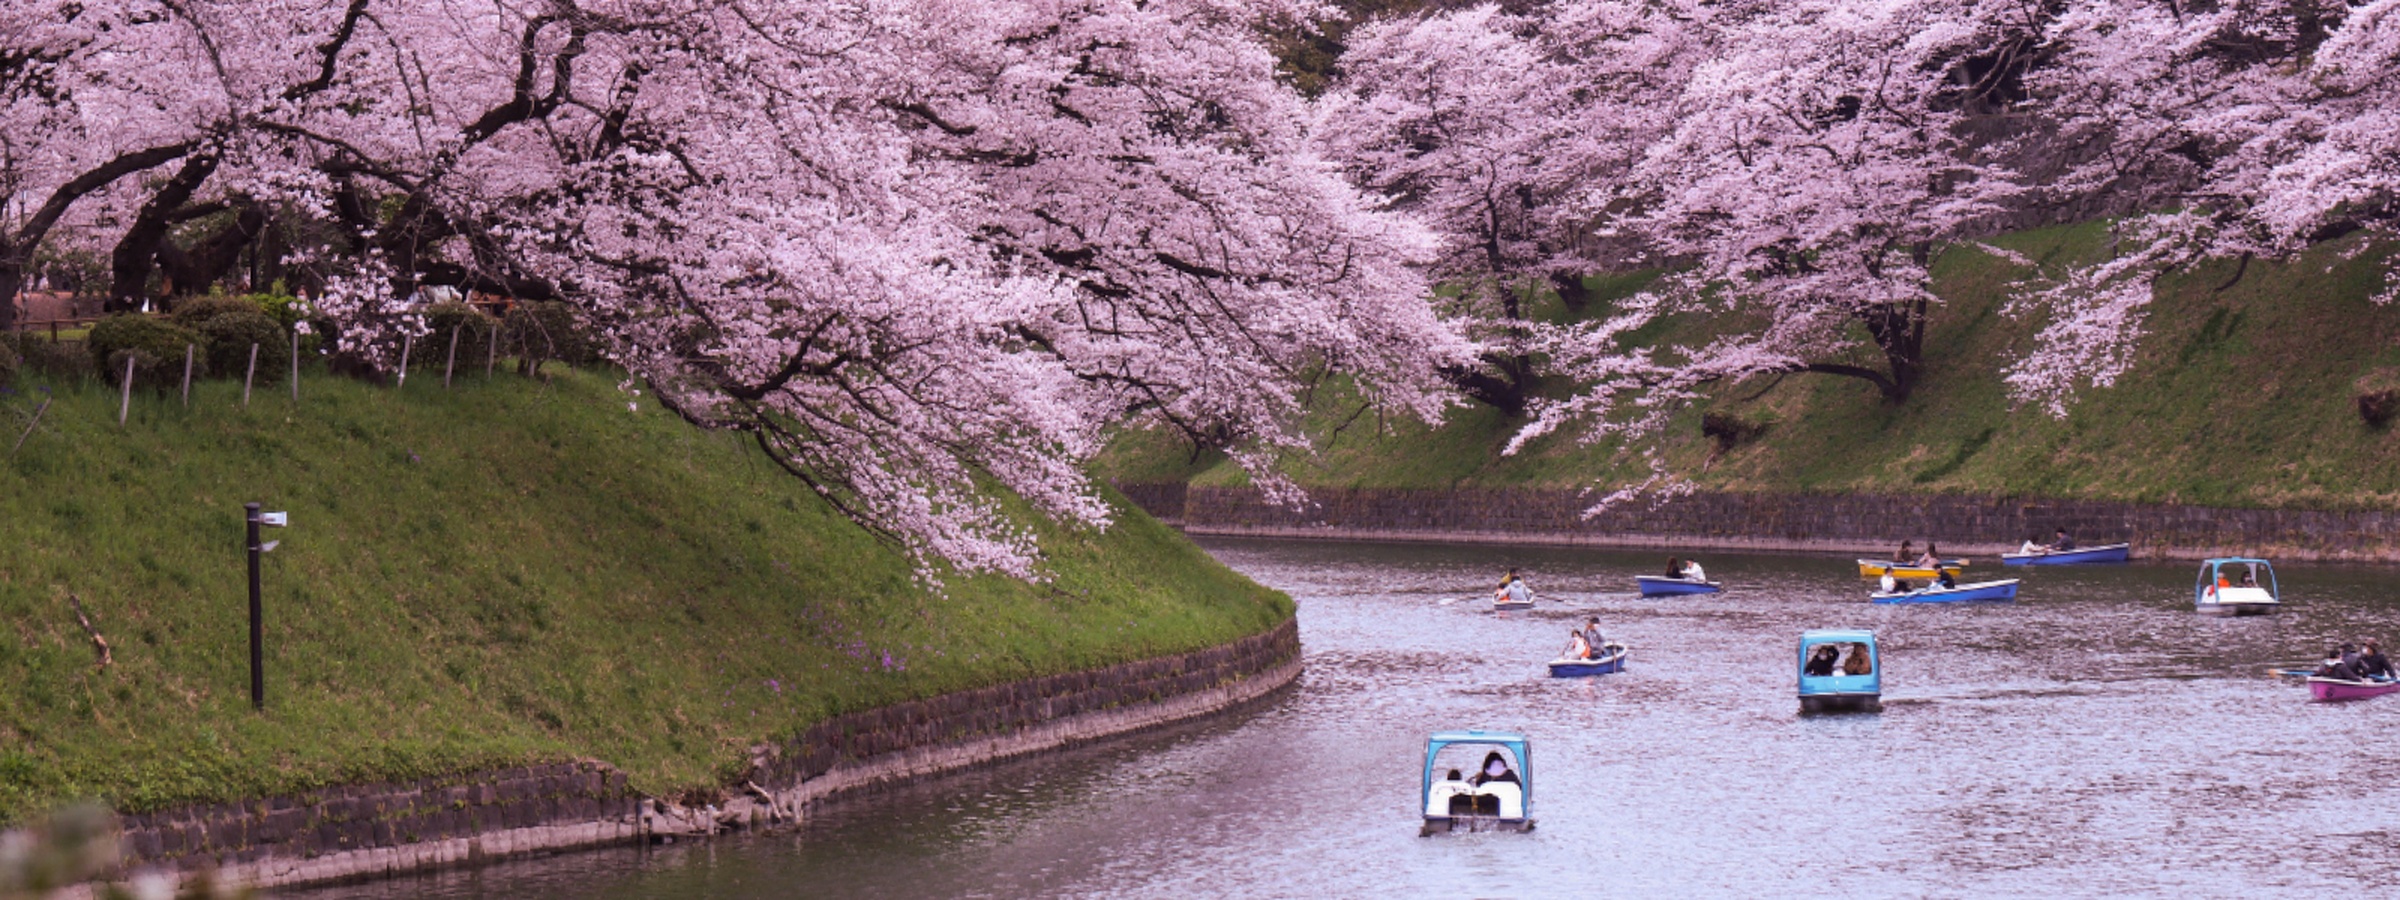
1875 568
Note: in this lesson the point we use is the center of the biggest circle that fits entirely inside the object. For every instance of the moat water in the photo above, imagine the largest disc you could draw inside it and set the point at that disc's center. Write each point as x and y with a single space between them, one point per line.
2096 737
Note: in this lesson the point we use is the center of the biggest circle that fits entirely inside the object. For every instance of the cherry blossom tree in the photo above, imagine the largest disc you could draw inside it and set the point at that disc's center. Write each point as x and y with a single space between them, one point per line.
91 93
917 249
2248 129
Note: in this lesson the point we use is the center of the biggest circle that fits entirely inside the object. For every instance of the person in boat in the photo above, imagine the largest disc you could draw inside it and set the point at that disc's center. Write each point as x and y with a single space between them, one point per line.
1932 558
1674 567
1495 768
1513 589
1908 551
1944 578
2063 544
2373 664
2250 576
1858 663
1820 661
1578 646
1893 585
2334 667
2031 546
1692 572
1591 635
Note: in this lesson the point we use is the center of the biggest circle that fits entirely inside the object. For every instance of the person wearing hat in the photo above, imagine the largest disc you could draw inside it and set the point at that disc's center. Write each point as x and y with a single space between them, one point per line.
2372 664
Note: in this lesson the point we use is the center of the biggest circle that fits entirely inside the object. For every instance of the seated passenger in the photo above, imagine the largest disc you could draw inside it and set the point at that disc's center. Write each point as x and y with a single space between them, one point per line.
2063 544
1945 578
1692 572
1578 647
1591 634
1820 661
1889 584
2250 577
1861 661
1674 567
2029 548
2334 667
2373 664
1495 769
1932 558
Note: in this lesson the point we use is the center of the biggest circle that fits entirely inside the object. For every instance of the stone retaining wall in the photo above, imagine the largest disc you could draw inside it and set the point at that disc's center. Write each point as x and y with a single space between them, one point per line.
366 831
1863 523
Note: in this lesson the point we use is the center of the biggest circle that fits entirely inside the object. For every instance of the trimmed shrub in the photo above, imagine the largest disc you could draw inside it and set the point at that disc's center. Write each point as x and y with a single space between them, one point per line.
545 330
155 346
229 338
193 312
475 332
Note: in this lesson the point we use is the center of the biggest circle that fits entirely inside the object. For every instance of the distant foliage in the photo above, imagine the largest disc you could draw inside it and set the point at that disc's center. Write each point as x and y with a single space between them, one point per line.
475 329
1730 430
546 330
156 347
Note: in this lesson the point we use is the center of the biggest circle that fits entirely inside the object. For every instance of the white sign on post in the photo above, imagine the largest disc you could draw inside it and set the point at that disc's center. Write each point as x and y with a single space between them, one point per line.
273 519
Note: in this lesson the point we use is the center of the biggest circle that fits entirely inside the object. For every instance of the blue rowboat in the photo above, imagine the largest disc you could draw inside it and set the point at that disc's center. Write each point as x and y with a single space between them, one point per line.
1655 586
1982 590
2105 553
1612 660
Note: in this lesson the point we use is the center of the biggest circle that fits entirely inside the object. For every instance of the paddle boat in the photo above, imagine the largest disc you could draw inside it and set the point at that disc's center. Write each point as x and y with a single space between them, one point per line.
2221 592
1877 568
1660 586
1610 660
1502 604
1476 801
2331 689
1986 591
1840 691
2105 553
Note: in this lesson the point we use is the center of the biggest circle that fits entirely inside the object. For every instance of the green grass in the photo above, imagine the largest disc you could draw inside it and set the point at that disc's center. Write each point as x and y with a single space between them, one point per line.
506 573
2239 397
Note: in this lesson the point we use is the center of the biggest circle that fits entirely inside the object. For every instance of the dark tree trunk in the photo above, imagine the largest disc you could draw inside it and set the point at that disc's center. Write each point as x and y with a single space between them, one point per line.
1503 382
208 259
136 255
1570 290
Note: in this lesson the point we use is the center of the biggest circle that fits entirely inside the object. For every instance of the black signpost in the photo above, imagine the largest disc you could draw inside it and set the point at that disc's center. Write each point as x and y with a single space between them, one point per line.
258 664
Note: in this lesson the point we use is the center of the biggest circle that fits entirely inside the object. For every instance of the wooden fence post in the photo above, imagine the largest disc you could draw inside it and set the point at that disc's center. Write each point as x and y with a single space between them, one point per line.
407 341
187 376
295 367
125 400
251 375
491 351
452 363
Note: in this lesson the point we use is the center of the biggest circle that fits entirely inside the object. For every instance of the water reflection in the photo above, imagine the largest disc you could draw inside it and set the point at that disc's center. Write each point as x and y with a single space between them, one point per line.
2096 737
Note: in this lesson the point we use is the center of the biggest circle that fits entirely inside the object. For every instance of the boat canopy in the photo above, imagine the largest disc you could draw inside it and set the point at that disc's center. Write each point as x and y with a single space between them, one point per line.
2259 572
1515 745
1839 682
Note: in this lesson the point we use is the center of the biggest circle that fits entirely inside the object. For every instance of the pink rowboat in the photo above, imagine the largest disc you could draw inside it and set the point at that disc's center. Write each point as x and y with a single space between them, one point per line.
2336 689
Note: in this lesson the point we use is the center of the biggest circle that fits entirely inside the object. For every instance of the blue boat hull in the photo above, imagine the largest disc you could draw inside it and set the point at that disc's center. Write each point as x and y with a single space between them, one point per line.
1989 591
1654 586
2107 553
1578 668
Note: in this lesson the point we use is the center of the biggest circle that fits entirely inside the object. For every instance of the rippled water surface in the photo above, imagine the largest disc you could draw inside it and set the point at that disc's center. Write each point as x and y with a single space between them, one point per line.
2094 738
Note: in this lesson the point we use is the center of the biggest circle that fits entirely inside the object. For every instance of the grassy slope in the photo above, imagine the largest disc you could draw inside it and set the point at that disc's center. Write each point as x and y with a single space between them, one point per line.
2240 397
506 573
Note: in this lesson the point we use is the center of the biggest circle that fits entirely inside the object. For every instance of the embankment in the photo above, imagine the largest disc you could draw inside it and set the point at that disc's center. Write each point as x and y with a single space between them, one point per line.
371 830
553 579
2239 427
1843 523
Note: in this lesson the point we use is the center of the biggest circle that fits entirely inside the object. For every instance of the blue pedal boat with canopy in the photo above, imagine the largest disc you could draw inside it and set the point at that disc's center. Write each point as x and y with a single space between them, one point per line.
1497 797
1840 671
